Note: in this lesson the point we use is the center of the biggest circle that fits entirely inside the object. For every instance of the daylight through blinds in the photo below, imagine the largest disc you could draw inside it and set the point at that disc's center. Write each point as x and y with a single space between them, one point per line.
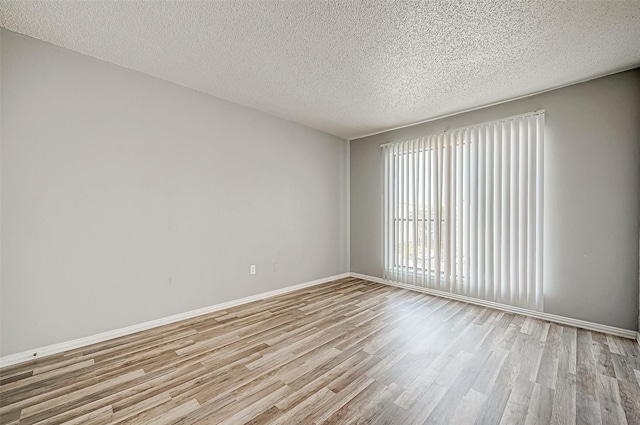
463 211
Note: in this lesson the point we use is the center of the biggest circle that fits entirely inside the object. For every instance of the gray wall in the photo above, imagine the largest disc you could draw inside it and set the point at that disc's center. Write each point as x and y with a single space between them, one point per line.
126 198
592 189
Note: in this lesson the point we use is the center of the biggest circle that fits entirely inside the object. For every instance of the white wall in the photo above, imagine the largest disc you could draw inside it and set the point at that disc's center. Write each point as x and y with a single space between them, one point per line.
126 198
592 195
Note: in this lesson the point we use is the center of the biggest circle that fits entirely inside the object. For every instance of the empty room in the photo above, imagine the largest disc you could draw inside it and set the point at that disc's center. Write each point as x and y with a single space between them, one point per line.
320 212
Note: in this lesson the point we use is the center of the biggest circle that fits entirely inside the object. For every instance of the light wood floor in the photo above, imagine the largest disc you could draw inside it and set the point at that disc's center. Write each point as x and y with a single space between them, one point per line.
351 351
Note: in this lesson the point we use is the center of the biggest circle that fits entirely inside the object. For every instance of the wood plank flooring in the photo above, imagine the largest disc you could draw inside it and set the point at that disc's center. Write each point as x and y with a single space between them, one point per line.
350 351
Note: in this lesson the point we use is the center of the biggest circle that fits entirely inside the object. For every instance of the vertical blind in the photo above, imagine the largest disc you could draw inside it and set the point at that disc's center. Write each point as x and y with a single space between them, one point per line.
463 211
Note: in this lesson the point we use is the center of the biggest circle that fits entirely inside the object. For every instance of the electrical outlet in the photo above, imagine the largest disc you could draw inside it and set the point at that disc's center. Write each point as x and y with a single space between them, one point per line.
252 269
275 267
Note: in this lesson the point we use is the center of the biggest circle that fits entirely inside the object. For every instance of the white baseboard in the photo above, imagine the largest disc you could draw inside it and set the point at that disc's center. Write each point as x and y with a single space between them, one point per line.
104 336
624 333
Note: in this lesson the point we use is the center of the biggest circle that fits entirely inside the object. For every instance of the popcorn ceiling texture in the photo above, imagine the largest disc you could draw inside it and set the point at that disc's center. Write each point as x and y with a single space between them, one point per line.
348 68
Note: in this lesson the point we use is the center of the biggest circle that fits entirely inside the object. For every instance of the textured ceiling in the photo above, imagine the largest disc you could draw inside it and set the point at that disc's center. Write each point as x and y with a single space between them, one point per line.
348 68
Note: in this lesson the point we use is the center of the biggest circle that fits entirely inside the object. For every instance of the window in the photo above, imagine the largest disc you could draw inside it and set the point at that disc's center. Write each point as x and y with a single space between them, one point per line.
463 211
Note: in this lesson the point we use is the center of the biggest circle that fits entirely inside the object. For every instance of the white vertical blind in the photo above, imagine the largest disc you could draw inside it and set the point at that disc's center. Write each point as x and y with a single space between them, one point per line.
463 211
